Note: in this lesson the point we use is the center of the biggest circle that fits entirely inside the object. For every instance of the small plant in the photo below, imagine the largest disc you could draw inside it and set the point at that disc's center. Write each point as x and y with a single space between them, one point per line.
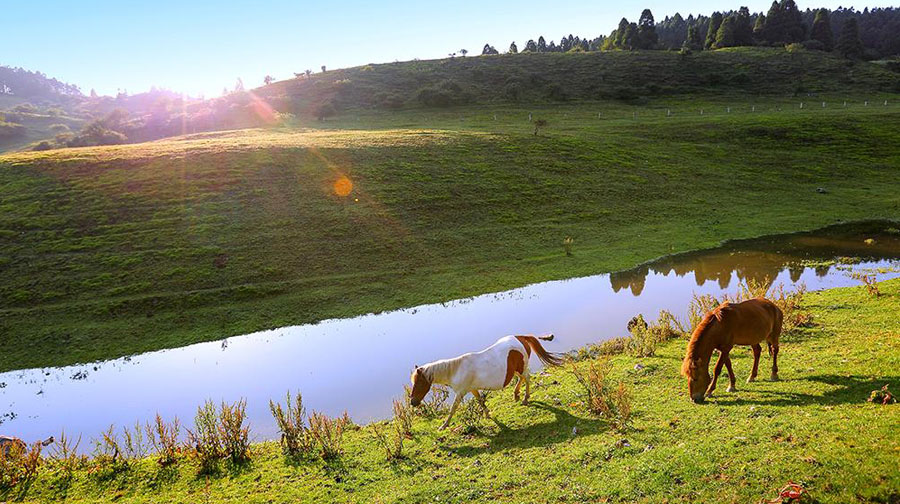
163 437
471 412
204 440
870 283
567 244
882 396
602 398
233 431
296 439
642 342
328 434
19 465
403 416
107 452
133 446
65 455
699 307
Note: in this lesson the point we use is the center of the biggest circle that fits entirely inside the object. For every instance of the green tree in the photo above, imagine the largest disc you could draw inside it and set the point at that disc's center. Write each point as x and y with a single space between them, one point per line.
489 49
725 35
268 79
541 44
513 49
620 32
715 21
647 37
849 44
530 46
821 29
743 28
693 38
759 27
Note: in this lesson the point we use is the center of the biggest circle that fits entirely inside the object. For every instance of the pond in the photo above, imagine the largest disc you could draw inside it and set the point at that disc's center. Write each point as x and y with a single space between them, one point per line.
359 364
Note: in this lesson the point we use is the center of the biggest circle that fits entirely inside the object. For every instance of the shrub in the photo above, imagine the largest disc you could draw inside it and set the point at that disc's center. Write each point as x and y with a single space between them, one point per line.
700 306
328 434
403 416
296 439
107 451
642 342
204 439
324 110
65 455
163 437
390 438
870 283
471 412
435 404
43 145
133 447
234 433
58 128
612 402
19 465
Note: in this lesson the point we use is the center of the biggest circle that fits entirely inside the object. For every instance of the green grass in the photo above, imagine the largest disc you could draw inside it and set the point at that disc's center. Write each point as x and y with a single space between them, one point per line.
113 250
813 427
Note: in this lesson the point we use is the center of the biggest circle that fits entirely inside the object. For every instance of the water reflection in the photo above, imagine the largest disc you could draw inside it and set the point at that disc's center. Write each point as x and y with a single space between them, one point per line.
359 364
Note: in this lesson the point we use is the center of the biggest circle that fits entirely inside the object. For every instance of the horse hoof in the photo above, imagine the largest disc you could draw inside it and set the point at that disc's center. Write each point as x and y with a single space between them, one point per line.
751 379
775 378
731 389
525 402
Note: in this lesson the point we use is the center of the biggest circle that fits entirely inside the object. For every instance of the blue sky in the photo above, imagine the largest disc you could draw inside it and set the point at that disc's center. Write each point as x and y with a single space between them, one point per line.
201 47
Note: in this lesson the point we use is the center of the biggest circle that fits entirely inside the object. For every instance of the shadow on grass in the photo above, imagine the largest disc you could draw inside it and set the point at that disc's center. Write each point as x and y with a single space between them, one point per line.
555 431
850 390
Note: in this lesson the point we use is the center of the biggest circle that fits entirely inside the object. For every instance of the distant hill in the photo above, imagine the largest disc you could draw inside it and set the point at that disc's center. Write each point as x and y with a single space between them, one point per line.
557 77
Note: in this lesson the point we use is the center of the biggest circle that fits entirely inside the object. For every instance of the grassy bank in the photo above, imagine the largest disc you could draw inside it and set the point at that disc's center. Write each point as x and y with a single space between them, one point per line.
115 250
813 427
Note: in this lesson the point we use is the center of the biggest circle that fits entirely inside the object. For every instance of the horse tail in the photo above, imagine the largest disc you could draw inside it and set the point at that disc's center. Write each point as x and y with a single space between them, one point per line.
546 337
532 344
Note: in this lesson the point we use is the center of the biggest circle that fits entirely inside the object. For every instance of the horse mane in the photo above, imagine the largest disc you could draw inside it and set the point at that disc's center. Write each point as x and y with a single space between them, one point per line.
710 320
442 369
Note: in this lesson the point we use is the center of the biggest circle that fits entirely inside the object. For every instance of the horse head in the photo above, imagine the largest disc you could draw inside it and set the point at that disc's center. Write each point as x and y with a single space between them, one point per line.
421 384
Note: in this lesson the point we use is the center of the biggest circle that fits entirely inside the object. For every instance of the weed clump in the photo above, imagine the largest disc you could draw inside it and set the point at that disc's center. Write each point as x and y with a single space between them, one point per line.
220 433
602 397
328 434
296 439
163 437
19 465
870 283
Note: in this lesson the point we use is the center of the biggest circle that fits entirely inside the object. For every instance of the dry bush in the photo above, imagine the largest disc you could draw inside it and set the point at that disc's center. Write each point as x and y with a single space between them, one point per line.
204 440
19 465
390 438
65 455
403 415
642 342
163 437
296 439
700 306
234 431
601 397
870 283
471 412
645 337
107 452
435 404
133 446
791 306
328 434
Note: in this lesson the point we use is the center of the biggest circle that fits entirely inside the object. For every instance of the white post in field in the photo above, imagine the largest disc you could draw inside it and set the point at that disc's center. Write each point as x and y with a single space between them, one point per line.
669 111
823 104
866 104
801 104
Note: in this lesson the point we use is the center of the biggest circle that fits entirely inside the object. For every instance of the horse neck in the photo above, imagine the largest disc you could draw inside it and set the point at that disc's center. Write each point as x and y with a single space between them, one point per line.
442 371
701 344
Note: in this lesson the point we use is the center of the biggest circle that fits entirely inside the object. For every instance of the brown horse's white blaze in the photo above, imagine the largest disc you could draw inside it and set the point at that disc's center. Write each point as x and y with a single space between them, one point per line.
490 369
747 323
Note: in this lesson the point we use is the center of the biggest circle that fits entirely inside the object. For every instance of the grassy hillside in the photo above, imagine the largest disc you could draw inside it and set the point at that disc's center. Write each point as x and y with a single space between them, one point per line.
630 76
115 250
813 427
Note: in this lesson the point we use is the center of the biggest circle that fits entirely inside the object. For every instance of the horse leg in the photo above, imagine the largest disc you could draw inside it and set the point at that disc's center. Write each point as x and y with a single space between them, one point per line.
731 378
719 363
757 351
518 387
527 386
774 347
480 398
456 402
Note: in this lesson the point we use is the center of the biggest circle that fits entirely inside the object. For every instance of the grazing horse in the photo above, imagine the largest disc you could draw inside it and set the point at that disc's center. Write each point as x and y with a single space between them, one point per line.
746 323
490 369
7 443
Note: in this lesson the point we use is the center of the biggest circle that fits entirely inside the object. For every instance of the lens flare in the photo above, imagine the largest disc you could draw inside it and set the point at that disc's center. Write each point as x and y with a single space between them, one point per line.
343 186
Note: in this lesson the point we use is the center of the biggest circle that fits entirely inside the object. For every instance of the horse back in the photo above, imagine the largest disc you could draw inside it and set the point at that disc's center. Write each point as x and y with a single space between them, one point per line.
753 320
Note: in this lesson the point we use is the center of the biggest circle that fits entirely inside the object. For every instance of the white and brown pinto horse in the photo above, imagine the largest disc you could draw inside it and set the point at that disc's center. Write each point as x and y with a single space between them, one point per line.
490 369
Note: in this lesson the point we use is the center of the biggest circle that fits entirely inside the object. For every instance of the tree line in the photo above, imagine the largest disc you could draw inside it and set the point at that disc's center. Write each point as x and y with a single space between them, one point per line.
27 84
869 34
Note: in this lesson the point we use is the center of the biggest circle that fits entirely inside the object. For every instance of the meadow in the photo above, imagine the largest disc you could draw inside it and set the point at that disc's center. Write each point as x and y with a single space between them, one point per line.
108 251
815 428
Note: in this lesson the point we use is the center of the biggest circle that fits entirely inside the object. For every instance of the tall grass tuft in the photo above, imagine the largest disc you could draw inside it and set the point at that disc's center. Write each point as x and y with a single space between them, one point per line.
133 445
234 431
328 434
645 337
107 452
163 437
389 436
403 416
870 283
612 402
64 455
204 440
296 439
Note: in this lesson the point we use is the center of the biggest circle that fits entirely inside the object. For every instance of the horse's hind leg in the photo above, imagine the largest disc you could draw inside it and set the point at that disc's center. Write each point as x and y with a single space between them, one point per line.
456 401
773 347
527 378
731 378
773 344
757 351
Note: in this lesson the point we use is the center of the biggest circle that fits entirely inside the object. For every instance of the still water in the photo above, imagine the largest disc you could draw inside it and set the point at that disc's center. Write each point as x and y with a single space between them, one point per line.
360 364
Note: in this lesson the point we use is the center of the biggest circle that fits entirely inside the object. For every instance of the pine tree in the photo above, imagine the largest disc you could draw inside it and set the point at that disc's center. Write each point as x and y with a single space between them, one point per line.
725 34
530 46
821 29
541 44
693 38
743 28
715 21
513 49
849 44
759 27
647 37
619 41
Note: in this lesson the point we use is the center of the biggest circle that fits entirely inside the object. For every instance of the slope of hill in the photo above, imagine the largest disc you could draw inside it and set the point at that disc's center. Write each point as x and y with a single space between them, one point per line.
107 251
555 77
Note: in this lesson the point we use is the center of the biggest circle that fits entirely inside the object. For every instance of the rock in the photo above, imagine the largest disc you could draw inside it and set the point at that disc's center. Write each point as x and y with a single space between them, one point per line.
821 190
638 366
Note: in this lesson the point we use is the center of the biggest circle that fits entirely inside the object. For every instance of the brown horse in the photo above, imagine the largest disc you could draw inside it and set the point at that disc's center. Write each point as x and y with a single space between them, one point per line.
746 323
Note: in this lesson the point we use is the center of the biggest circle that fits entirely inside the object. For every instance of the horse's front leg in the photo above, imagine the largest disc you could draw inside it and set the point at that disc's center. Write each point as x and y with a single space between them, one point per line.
455 405
731 378
719 363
